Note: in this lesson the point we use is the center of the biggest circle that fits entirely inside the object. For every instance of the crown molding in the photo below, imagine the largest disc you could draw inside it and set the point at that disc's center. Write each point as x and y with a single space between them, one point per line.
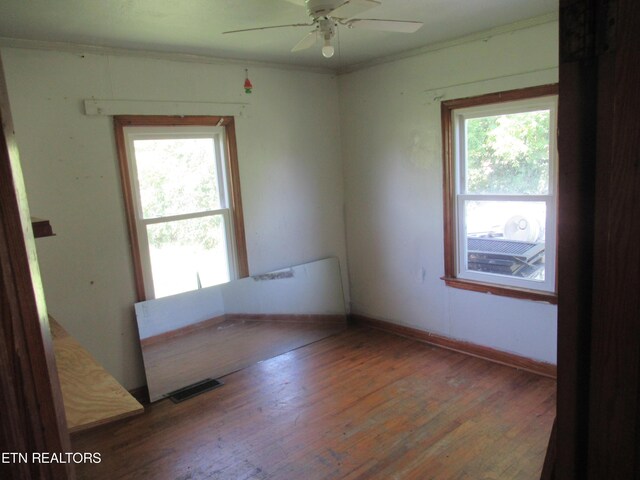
77 48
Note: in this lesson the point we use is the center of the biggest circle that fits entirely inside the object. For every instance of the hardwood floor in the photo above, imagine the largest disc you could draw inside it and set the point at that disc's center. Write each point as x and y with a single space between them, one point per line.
229 345
362 404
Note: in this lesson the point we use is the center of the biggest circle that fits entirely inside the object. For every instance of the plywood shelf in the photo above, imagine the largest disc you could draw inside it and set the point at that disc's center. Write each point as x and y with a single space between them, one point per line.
91 395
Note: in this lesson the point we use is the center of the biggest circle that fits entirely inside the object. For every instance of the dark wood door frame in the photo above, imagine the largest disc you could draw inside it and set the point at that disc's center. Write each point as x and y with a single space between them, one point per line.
597 431
33 418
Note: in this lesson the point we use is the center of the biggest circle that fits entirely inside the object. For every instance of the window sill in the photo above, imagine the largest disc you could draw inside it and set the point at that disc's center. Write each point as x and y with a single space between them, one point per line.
501 290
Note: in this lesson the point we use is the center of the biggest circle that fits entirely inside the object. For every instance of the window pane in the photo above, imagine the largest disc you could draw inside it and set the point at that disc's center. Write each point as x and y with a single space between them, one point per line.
186 254
176 176
508 154
506 238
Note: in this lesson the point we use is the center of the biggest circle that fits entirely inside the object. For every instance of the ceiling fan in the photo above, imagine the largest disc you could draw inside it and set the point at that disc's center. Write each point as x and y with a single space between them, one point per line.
326 15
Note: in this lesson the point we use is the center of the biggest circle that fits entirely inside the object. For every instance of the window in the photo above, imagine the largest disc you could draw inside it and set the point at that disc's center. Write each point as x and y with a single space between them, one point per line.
180 182
500 179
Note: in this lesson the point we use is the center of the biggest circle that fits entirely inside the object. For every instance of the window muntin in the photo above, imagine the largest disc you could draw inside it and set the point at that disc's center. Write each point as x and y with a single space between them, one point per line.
182 207
504 164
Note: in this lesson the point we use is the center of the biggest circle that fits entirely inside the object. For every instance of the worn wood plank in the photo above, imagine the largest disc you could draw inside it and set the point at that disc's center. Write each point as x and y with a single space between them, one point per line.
362 404
505 358
91 395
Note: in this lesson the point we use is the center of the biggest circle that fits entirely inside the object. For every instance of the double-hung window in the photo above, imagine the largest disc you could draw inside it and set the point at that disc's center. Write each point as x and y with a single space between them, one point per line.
500 167
183 202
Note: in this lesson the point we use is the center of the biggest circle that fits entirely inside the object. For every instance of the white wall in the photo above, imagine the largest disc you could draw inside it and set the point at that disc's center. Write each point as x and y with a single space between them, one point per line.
392 153
290 171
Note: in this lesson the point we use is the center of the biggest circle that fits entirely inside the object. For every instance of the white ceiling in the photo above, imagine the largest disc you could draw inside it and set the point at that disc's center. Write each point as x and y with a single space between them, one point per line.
196 26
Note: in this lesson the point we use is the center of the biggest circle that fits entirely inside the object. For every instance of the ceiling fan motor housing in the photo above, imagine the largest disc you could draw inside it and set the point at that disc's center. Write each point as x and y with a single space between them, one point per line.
326 27
321 8
326 15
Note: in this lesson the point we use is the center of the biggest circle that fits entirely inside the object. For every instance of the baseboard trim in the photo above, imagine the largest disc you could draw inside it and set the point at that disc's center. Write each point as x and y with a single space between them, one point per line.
486 353
310 318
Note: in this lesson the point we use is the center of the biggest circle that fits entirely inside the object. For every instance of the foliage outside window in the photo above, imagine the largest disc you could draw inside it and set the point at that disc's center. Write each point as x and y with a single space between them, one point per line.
183 214
500 192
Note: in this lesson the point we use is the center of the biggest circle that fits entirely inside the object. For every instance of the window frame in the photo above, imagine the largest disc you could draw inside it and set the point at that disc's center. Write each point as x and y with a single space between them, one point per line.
452 210
235 235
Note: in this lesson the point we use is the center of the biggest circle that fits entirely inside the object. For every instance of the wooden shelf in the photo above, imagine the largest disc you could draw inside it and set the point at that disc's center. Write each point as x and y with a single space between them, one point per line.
91 395
41 228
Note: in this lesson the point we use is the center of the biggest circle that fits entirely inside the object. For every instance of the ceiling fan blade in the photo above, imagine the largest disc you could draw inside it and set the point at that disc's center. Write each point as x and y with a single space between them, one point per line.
297 2
351 8
274 26
308 41
402 26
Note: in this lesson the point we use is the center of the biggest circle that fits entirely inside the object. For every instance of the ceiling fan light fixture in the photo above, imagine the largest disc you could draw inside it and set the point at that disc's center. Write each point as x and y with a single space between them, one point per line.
327 48
327 15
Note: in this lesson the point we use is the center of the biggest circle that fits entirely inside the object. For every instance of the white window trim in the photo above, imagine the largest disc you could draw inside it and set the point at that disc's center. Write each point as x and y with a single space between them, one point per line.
458 118
132 133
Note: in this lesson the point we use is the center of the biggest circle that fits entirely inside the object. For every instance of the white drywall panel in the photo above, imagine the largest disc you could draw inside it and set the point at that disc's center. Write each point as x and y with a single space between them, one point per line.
313 288
174 312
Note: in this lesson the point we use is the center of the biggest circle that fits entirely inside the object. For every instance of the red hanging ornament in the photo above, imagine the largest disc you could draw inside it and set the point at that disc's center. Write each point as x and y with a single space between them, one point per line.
247 83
